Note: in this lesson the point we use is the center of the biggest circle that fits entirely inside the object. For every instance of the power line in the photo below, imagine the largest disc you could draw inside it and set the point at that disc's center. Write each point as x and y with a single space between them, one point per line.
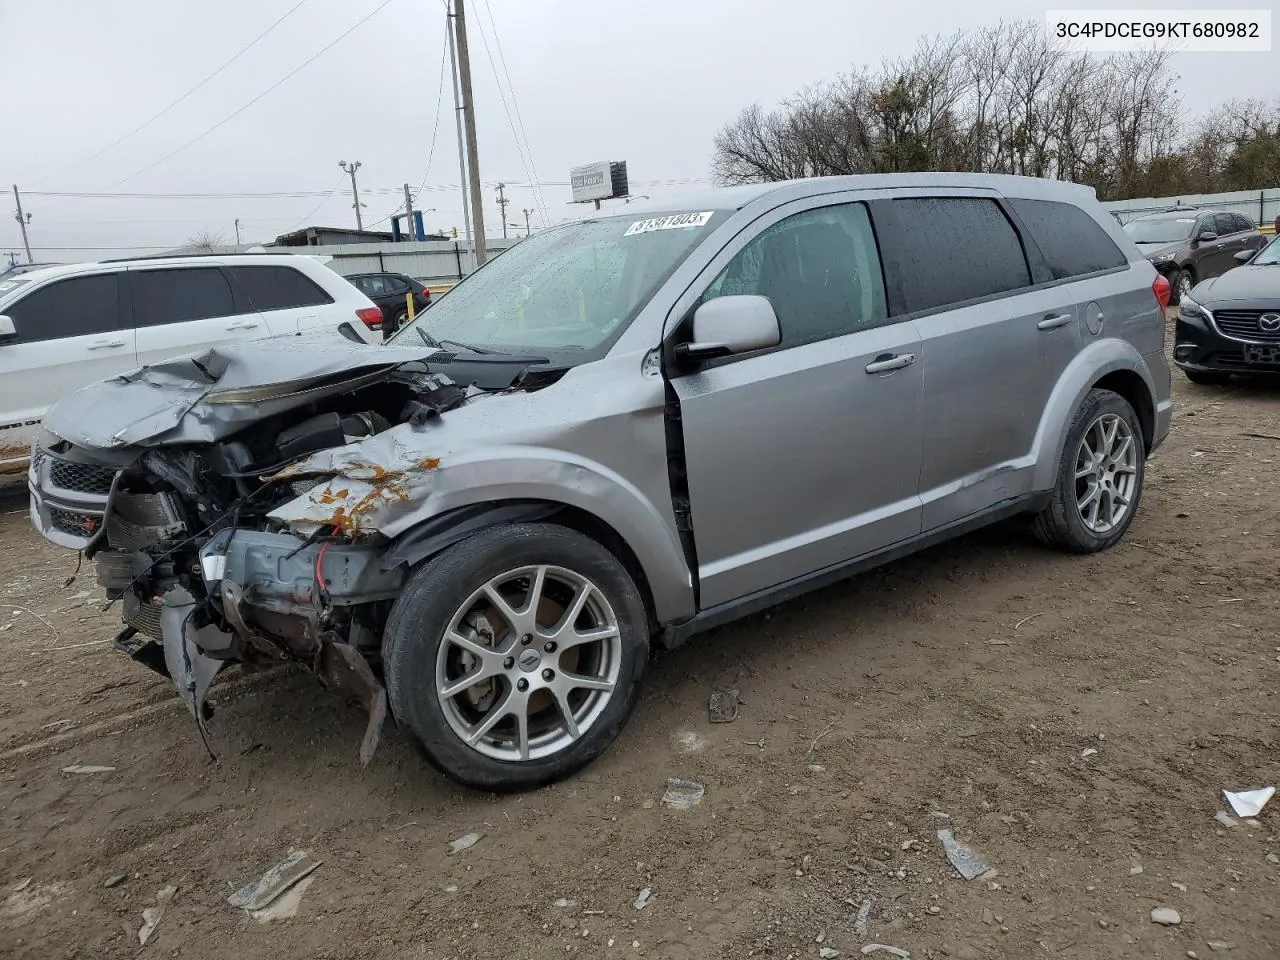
520 150
146 123
327 197
236 113
539 197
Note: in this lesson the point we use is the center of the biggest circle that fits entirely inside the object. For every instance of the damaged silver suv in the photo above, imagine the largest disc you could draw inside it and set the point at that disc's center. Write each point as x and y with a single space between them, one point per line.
620 433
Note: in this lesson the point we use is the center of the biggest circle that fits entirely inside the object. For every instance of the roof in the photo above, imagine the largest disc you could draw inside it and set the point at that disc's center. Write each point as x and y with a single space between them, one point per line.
94 266
737 197
1180 213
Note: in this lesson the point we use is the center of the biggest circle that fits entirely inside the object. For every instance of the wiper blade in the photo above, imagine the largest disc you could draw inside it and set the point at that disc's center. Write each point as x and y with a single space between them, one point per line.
467 346
429 340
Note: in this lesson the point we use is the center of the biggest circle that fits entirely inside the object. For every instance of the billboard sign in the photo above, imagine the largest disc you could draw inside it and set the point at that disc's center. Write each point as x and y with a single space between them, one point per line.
592 182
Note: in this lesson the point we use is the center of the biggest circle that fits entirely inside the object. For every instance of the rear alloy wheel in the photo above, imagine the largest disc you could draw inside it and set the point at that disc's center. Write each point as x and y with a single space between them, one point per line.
515 656
1099 478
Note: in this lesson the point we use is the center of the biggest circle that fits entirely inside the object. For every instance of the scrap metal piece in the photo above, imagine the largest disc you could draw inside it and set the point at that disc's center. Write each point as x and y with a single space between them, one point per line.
683 794
967 863
152 916
257 894
340 665
724 706
191 670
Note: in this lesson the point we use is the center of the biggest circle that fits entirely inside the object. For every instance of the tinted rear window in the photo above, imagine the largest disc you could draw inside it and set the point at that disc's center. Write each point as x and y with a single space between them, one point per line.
276 288
177 296
1070 239
948 250
75 307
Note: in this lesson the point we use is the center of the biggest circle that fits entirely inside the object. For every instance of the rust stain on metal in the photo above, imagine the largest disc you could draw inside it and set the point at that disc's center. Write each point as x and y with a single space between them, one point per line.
430 463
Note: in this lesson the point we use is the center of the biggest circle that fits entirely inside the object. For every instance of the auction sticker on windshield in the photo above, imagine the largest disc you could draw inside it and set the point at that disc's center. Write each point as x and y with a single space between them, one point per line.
675 221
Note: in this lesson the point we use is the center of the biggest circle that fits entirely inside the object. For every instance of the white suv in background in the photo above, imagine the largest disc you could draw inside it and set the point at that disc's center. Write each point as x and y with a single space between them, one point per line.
64 327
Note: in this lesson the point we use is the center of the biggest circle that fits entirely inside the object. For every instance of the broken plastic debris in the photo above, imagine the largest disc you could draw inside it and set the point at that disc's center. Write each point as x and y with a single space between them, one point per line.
724 706
966 861
682 794
643 899
828 953
1088 752
1249 803
896 951
115 881
86 768
284 906
1166 916
259 893
1224 818
463 842
152 916
1216 945
860 928
562 903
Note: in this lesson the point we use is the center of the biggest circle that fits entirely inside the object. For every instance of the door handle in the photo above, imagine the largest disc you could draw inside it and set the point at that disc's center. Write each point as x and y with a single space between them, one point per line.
248 325
1055 320
105 344
889 361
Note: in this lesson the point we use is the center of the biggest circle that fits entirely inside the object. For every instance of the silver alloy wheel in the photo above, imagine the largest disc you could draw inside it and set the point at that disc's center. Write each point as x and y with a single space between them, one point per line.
1106 473
528 663
1184 285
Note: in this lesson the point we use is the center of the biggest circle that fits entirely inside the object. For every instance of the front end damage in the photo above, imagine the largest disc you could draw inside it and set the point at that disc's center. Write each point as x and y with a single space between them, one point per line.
189 504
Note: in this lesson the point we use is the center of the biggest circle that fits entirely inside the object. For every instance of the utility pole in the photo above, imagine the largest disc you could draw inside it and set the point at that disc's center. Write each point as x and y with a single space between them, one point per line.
469 125
22 222
355 194
502 207
462 153
526 221
237 231
408 214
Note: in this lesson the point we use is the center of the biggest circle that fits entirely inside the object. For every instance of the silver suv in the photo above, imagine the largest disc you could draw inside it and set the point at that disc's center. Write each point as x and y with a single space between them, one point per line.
622 432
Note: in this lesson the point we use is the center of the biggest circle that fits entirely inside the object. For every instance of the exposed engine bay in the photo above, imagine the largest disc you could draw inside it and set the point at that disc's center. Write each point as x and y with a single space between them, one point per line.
175 510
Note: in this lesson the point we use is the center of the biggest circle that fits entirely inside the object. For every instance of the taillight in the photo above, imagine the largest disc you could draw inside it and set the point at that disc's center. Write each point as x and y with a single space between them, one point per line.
1164 293
426 294
371 317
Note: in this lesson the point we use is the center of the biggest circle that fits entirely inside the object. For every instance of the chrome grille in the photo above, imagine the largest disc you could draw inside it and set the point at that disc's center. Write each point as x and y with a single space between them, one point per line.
1244 325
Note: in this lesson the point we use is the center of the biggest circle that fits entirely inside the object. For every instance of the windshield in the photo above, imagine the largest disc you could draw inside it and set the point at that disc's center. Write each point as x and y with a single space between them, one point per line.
10 284
1160 230
566 293
1268 255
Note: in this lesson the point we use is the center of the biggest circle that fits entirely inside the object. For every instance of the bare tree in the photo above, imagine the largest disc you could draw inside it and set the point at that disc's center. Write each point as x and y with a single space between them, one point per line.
205 241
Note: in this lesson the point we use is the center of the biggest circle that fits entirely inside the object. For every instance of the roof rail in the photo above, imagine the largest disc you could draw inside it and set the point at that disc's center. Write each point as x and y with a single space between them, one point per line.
184 256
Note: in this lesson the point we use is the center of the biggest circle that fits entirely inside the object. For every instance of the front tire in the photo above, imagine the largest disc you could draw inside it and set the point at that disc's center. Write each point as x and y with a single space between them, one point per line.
1100 477
515 656
1183 281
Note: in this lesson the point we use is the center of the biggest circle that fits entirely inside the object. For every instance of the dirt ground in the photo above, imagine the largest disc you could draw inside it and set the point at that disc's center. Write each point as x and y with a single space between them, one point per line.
1074 720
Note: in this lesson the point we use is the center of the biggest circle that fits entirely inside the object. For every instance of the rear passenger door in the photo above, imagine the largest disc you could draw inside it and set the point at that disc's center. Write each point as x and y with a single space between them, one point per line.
181 310
1233 237
956 266
70 333
285 299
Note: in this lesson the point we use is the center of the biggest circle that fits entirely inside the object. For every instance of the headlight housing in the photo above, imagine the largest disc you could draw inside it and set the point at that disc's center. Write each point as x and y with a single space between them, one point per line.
1163 258
1190 308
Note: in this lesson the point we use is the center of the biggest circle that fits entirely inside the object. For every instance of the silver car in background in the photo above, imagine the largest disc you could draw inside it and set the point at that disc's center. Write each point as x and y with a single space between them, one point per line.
622 432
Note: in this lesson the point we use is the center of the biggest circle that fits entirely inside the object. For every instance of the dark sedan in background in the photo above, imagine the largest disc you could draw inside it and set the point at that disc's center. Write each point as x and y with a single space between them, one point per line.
1189 246
389 291
1231 324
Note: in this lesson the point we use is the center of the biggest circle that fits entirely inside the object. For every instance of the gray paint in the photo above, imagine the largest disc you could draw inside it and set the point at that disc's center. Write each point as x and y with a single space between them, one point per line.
798 459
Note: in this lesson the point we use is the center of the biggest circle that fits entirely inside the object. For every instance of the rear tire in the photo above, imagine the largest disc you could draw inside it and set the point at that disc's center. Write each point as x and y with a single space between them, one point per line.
506 694
1100 477
1207 378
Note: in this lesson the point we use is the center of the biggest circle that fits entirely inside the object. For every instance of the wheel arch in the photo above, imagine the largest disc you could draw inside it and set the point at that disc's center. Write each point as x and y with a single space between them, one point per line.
438 533
1131 386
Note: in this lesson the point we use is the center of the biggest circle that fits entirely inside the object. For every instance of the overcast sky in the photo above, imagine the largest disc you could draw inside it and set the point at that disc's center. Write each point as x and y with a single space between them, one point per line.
646 81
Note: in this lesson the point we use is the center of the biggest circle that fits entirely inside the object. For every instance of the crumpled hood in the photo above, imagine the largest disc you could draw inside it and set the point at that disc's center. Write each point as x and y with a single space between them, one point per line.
205 397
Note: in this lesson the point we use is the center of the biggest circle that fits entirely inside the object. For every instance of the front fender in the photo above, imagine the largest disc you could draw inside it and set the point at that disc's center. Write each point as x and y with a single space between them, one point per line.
397 494
1096 361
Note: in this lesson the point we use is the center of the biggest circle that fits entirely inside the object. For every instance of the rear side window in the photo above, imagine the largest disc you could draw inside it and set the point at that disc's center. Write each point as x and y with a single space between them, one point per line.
178 296
820 269
76 307
276 288
1070 239
951 249
1225 224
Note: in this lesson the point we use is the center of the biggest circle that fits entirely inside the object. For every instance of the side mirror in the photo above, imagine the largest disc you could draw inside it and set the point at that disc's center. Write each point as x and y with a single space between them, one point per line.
7 330
1244 256
728 325
1205 236
347 330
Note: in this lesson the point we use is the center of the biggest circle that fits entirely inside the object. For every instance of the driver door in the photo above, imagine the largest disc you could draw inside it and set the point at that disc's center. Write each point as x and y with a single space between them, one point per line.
806 455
